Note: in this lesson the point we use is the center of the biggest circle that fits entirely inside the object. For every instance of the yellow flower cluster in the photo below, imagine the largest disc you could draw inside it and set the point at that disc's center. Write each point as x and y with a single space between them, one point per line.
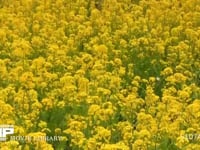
103 74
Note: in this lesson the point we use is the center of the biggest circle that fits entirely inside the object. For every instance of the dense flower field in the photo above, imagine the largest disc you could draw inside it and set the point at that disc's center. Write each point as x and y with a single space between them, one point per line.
103 74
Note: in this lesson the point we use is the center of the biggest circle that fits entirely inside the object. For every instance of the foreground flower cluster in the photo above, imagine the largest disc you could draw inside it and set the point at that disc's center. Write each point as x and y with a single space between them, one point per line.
103 74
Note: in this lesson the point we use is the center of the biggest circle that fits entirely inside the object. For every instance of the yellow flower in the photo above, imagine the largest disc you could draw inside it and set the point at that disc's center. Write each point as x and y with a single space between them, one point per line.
180 77
127 137
47 103
103 91
176 78
78 138
67 80
144 124
3 69
118 62
100 50
38 63
93 109
91 144
122 71
42 124
102 134
6 113
13 145
123 43
19 130
37 42
35 27
83 85
27 79
143 41
151 98
117 146
194 108
61 104
21 48
57 131
184 96
144 134
44 146
167 71
139 144
76 125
